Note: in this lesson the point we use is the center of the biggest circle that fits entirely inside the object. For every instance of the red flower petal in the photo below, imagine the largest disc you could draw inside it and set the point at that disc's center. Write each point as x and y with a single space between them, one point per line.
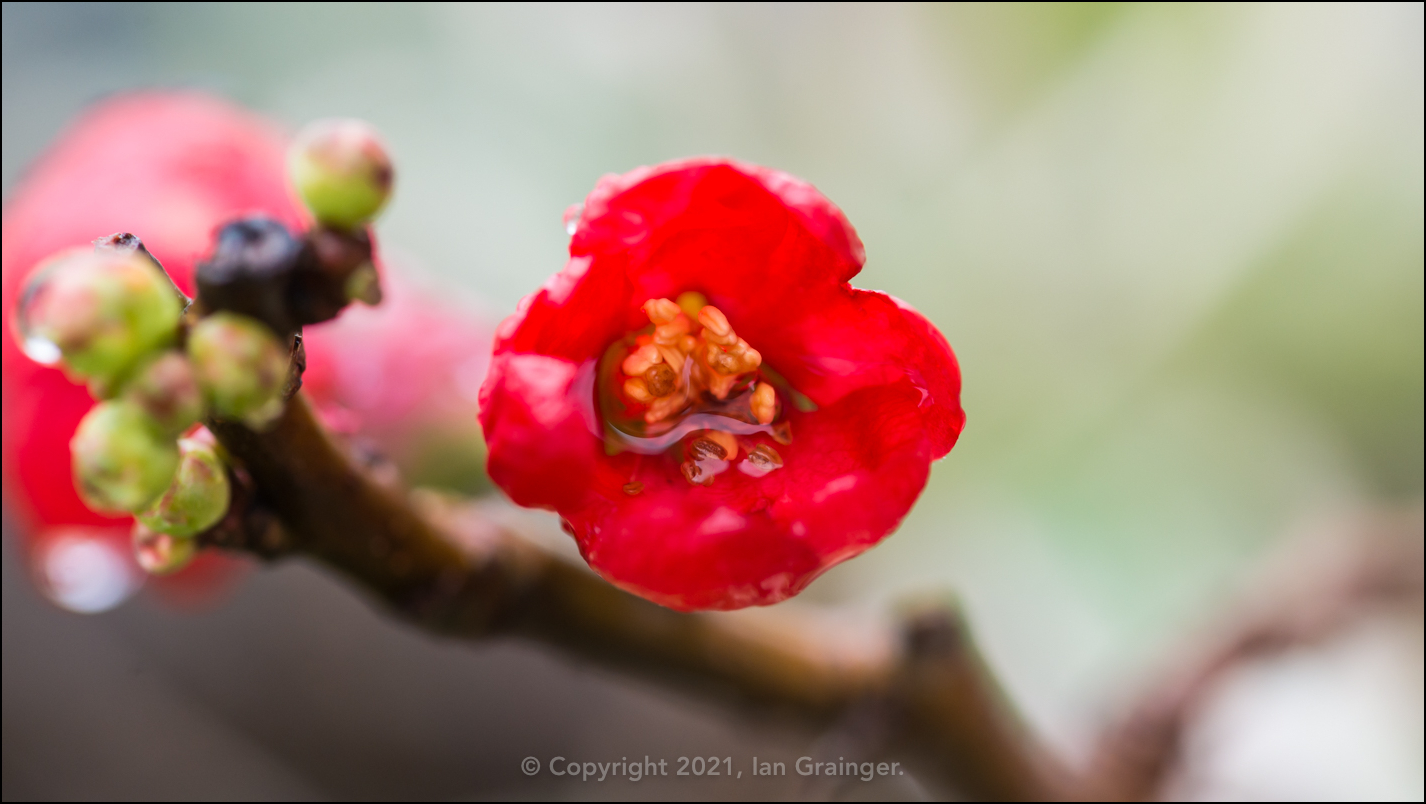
775 257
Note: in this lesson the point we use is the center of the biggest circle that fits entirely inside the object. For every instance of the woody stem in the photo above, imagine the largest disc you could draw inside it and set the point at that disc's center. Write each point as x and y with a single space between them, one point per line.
932 698
447 568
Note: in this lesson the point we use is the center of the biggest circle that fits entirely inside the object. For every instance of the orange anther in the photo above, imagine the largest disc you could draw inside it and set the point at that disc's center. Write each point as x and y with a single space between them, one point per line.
716 328
672 332
706 449
640 360
662 407
636 390
727 441
764 403
661 311
662 378
672 356
762 460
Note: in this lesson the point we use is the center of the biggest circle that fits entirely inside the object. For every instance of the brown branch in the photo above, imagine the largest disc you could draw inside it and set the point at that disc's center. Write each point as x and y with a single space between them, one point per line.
469 577
463 575
453 570
1315 590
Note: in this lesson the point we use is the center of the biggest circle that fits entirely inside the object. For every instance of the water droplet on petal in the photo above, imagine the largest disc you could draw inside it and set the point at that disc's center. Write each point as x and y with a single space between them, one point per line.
84 571
571 218
762 460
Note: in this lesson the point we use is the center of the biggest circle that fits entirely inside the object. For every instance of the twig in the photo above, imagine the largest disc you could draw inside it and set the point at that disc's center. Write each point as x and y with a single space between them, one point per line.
1318 589
471 578
454 571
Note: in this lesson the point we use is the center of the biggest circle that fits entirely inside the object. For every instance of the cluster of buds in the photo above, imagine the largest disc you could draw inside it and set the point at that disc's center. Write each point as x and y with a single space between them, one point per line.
693 362
98 312
112 318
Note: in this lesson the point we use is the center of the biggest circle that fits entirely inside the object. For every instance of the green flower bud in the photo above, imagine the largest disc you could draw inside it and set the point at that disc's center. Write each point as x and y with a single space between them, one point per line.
162 553
167 391
99 312
241 367
122 459
197 497
342 171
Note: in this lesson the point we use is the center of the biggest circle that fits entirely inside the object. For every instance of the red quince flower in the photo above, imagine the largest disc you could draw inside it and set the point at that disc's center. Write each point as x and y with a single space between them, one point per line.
724 449
170 167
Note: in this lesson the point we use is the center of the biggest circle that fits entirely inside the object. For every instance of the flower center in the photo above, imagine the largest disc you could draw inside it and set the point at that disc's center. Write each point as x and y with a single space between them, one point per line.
688 381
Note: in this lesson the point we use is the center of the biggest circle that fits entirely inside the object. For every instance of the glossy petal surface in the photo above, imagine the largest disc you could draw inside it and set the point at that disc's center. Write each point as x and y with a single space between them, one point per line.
775 256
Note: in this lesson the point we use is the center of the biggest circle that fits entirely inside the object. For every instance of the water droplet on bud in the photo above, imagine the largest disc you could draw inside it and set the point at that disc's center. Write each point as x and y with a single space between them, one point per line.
762 460
33 300
42 350
97 313
83 570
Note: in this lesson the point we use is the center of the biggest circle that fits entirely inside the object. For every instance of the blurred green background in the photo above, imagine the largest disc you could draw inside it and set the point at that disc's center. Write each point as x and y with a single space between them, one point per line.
1177 248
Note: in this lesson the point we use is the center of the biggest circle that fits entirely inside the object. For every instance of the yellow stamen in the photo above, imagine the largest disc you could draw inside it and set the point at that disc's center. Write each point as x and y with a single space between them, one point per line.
764 403
707 449
640 360
637 391
716 328
661 311
669 333
673 356
727 441
663 407
690 365
725 355
722 360
671 328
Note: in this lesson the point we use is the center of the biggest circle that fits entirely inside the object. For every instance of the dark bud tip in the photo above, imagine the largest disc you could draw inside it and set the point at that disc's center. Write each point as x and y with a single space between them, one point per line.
321 281
124 243
250 272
